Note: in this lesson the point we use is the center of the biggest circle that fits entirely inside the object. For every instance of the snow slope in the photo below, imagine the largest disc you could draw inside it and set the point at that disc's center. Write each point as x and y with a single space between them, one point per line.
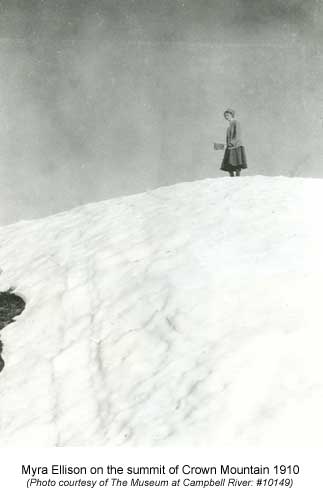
188 315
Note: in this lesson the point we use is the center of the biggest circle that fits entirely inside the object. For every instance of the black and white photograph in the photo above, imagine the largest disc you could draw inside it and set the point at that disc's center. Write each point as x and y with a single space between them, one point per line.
148 297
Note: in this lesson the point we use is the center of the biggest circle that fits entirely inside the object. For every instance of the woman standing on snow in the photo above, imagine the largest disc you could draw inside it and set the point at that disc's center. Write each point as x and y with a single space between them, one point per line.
234 156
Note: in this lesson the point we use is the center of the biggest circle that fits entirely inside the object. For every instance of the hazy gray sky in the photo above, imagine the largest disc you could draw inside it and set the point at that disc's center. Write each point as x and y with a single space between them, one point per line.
107 98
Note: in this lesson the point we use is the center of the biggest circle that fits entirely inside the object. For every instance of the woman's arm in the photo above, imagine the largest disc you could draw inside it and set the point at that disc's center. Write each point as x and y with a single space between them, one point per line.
235 134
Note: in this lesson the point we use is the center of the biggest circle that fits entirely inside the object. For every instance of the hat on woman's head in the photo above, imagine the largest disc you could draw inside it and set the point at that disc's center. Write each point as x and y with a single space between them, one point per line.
231 111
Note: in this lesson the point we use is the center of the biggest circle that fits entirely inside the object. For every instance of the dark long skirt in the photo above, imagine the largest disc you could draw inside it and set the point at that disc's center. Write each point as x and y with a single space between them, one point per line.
234 159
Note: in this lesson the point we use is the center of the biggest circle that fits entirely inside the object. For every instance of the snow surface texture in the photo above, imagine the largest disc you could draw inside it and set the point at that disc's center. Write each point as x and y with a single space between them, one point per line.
188 315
